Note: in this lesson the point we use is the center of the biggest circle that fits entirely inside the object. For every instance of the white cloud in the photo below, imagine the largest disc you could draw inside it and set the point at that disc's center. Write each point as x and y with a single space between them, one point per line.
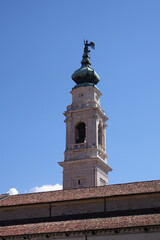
12 191
46 188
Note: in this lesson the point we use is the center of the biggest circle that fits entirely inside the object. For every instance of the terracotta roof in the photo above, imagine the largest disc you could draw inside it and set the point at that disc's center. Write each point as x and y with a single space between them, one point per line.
83 193
81 225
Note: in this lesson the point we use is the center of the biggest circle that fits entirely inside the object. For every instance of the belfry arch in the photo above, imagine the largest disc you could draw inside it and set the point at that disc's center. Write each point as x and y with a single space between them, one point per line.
80 132
99 134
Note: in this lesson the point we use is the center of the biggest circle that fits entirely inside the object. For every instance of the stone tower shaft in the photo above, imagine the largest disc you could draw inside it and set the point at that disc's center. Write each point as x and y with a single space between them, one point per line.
85 163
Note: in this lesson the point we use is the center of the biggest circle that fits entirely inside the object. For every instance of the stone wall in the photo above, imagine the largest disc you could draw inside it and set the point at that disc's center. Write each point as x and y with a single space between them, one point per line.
99 205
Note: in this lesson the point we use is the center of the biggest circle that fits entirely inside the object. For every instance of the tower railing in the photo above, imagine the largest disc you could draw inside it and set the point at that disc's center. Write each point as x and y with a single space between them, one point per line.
78 145
85 145
84 105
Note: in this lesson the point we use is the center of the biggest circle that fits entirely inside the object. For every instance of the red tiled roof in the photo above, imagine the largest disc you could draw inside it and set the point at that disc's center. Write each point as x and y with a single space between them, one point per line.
83 193
81 225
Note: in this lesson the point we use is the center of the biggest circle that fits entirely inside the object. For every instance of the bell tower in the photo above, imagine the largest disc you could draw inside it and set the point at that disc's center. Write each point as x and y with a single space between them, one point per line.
85 163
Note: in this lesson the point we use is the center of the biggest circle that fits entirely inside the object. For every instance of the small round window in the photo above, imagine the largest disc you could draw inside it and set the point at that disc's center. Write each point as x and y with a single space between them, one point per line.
81 95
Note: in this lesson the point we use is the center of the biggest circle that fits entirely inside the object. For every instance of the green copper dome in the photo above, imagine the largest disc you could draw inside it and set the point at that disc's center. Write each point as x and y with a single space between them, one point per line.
85 75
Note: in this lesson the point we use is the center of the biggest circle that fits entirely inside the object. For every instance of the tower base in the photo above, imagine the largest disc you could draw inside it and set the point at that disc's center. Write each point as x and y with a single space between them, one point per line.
84 173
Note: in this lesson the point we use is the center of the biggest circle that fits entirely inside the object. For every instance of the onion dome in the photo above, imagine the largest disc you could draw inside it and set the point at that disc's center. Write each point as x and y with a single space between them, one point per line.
85 75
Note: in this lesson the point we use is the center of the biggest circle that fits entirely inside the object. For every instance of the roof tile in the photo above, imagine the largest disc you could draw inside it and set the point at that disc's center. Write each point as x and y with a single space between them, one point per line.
83 193
81 225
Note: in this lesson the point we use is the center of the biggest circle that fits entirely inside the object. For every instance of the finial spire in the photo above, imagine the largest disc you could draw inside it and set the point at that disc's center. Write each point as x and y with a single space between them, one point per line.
86 58
85 75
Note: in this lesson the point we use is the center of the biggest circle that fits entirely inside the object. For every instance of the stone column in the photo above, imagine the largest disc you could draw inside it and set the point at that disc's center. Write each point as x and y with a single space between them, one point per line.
104 136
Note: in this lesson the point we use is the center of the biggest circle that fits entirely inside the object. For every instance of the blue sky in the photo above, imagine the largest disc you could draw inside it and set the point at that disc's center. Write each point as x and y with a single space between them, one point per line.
41 45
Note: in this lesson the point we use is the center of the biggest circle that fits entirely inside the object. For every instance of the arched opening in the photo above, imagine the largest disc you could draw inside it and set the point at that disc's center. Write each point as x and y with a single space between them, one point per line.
80 133
99 135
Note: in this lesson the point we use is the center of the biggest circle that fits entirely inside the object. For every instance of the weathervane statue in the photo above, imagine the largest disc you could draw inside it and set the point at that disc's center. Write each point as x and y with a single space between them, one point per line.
86 57
86 44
